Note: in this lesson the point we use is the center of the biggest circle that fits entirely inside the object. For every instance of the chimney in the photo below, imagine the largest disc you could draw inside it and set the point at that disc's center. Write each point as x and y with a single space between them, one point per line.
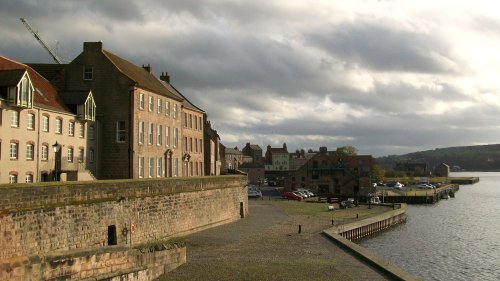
284 145
148 68
92 46
165 77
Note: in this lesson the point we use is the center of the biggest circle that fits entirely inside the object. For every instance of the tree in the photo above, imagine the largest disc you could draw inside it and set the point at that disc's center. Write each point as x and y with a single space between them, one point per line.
377 172
348 150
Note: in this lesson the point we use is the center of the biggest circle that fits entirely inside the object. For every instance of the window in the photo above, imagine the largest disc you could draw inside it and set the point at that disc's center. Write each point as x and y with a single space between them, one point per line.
159 137
31 121
167 136
45 152
45 123
175 110
190 144
176 166
141 132
195 123
81 153
58 125
14 148
70 154
29 178
150 133
91 155
141 167
159 167
195 145
167 108
200 127
185 120
141 101
30 148
201 146
176 137
151 103
190 168
196 169
120 131
191 121
14 119
82 130
12 178
91 132
23 95
151 167
71 128
88 72
160 104
185 144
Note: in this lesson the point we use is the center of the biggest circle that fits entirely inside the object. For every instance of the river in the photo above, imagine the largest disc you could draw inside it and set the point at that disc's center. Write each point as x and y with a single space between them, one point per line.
455 239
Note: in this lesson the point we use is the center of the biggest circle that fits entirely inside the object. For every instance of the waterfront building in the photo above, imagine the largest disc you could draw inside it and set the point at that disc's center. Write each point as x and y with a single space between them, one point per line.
212 150
36 120
234 158
277 159
329 174
254 151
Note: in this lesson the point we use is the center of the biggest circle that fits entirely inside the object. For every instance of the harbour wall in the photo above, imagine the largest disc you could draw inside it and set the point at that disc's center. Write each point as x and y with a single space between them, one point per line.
85 221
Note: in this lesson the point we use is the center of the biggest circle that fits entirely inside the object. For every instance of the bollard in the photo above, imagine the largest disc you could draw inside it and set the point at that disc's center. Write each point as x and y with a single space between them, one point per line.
300 228
357 215
332 222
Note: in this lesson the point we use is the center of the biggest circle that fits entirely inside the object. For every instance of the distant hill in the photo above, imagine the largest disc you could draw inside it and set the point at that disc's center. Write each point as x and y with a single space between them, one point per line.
468 158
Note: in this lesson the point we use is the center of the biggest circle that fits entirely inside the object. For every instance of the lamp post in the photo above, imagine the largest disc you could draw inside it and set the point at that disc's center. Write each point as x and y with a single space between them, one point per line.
57 160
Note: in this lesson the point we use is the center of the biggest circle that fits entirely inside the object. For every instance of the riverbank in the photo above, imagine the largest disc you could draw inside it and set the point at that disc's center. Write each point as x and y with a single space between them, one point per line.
267 246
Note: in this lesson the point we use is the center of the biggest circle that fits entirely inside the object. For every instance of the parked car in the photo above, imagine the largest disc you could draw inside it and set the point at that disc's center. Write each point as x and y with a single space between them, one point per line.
303 193
349 203
425 186
291 196
307 192
398 185
254 193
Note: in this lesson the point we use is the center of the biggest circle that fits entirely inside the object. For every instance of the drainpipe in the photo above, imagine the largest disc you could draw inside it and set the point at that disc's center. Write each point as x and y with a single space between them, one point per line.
131 130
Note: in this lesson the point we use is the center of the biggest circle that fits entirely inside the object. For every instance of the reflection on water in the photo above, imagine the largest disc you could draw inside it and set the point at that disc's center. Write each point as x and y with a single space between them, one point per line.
455 239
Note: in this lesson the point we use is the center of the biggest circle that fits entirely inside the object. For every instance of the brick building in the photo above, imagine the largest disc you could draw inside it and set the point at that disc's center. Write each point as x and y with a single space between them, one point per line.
277 159
327 173
34 119
254 151
139 119
234 158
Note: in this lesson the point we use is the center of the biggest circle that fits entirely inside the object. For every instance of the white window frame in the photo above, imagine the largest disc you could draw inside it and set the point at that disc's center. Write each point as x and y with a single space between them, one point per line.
141 132
81 155
70 154
167 136
30 151
175 111
159 134
45 152
151 103
88 73
28 178
151 165
141 101
71 128
176 137
151 133
30 120
14 151
159 167
167 108
59 125
14 119
141 167
82 130
160 104
12 178
121 132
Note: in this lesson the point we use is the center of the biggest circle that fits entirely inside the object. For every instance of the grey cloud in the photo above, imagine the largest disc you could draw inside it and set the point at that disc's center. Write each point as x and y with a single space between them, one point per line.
120 10
381 48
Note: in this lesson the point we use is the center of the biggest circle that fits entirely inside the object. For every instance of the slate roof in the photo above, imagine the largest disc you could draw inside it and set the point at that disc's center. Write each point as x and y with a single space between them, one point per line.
232 151
48 70
142 77
279 151
75 97
185 102
45 94
255 147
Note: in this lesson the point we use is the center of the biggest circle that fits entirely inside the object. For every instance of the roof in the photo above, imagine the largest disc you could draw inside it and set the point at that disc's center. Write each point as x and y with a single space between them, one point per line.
45 95
48 70
11 77
75 97
279 151
185 102
232 151
255 147
141 76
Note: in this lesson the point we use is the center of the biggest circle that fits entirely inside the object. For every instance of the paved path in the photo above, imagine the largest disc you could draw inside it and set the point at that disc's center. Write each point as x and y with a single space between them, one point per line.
266 246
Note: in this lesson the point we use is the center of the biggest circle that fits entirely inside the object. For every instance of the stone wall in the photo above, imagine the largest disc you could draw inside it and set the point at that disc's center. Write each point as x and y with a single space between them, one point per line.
46 218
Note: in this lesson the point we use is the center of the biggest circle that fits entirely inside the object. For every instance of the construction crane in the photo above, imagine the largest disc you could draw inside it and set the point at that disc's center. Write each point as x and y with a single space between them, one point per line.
37 37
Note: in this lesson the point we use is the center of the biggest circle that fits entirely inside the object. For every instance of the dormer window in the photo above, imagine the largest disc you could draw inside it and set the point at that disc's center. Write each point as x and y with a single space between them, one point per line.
86 111
88 72
22 94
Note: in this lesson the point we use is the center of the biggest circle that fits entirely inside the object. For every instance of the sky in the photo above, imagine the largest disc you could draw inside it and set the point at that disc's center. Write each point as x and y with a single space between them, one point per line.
387 77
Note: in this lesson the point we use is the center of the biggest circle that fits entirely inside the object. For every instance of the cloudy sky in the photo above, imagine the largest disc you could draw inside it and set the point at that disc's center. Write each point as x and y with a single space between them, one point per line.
388 77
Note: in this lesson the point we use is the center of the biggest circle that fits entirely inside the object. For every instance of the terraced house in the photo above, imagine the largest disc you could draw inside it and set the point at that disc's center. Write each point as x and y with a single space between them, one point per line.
146 128
44 134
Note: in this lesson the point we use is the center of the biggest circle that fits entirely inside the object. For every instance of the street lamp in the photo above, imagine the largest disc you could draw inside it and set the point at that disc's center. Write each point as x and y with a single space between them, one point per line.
57 160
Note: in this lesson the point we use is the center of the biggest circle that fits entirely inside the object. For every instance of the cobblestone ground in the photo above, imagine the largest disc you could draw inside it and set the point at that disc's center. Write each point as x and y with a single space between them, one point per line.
267 246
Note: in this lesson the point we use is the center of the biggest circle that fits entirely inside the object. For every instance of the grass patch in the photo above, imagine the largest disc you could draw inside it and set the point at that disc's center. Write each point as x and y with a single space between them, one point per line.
320 210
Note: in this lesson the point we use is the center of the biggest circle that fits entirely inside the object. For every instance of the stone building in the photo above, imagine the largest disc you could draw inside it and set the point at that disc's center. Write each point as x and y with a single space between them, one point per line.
192 133
255 172
328 174
254 151
213 156
139 119
233 157
35 120
277 159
